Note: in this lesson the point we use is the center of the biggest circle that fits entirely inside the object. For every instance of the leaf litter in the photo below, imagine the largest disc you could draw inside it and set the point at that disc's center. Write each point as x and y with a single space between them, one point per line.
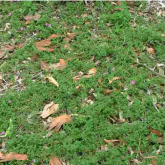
12 156
49 109
54 160
91 72
45 43
57 66
52 80
57 122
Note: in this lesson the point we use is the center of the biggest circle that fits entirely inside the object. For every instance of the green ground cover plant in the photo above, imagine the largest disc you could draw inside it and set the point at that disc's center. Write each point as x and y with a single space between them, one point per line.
110 83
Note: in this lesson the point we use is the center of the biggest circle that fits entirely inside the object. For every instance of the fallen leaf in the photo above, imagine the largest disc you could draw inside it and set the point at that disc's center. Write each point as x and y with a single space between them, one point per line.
151 51
154 162
12 156
44 66
97 62
8 47
59 66
59 121
156 132
1 79
49 109
52 80
54 160
163 35
20 45
27 22
7 26
111 141
115 78
1 54
107 91
35 57
103 148
151 157
92 71
32 17
76 78
67 47
100 81
46 42
70 35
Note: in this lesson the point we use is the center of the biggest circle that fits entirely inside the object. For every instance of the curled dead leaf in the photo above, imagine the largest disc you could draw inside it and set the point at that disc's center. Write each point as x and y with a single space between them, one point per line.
52 80
32 17
107 91
70 35
111 141
67 47
115 78
151 157
59 66
54 160
40 45
12 156
1 54
156 132
44 66
92 71
151 51
100 81
8 47
35 57
49 109
57 122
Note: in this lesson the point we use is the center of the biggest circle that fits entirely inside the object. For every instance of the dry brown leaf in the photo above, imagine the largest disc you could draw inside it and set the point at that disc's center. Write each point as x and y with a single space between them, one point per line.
163 35
46 42
67 47
52 80
20 45
103 148
92 71
59 121
151 51
1 79
8 47
35 57
49 109
156 132
76 78
151 157
111 141
70 35
107 91
12 156
59 66
1 54
27 22
115 78
44 66
32 17
100 81
154 162
54 160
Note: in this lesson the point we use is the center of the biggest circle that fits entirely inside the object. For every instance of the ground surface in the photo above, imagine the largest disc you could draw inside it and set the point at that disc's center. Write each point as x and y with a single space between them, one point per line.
106 63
